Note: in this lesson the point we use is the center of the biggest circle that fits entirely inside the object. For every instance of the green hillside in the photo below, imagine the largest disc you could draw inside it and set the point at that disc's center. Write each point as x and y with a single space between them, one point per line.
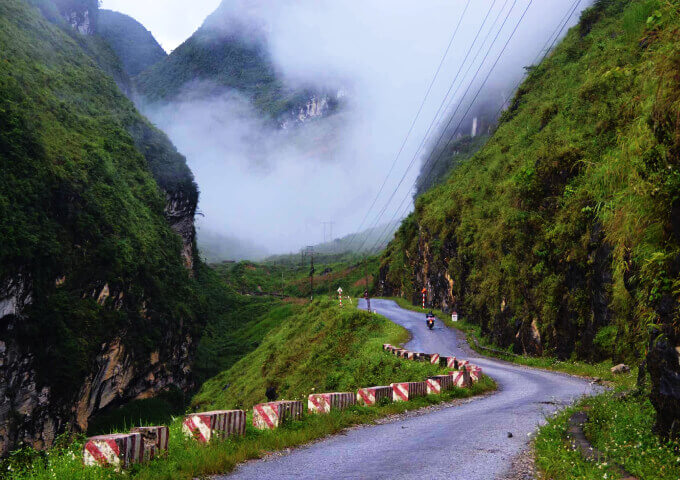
317 346
88 257
134 45
569 215
562 235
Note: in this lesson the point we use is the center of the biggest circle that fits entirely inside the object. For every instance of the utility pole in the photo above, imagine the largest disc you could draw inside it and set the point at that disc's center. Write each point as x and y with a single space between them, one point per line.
330 224
310 249
366 296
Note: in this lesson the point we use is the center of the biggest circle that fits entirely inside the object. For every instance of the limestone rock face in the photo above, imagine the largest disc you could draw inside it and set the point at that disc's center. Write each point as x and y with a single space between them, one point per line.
28 414
663 364
179 211
620 368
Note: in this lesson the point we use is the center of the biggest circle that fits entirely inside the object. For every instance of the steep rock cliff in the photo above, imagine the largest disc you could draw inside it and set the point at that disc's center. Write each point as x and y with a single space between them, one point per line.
561 235
97 303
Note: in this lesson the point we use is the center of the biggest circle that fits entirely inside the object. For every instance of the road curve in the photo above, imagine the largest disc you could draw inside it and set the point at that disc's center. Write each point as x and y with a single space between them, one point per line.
465 442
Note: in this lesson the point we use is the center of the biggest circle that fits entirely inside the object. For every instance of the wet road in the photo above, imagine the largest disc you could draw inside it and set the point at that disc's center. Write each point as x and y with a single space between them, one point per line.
464 442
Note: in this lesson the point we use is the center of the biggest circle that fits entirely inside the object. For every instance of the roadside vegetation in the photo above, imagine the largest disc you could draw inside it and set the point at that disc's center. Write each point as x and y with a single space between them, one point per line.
289 275
620 427
313 347
620 421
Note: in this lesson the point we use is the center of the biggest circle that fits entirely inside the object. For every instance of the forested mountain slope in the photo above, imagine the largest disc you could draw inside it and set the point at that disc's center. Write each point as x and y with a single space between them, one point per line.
100 297
562 235
134 45
228 53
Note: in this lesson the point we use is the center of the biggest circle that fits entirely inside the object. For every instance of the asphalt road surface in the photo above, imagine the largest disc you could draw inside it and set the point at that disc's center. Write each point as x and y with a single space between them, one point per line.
465 442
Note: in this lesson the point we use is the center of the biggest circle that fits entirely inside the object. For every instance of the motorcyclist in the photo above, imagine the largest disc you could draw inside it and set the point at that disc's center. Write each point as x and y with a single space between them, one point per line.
430 319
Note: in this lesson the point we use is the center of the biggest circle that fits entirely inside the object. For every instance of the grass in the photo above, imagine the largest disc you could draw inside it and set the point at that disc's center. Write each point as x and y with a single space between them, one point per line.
313 346
318 347
187 459
285 276
620 428
564 217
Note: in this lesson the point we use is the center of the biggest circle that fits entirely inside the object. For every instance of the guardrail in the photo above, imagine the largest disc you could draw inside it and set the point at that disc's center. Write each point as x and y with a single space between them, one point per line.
143 444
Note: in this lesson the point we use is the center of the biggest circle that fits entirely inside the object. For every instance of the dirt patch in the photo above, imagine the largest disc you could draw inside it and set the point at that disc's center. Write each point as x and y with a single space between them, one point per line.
523 467
362 281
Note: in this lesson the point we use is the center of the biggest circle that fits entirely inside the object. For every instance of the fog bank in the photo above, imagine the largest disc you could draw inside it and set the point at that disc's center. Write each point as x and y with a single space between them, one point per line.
275 187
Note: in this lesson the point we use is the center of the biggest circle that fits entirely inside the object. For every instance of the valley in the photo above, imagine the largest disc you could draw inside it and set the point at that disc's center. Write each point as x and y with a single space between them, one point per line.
189 233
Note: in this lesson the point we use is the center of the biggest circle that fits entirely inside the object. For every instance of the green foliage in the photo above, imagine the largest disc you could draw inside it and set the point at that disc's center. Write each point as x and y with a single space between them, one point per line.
618 426
565 216
285 275
80 203
442 162
187 459
222 54
317 346
134 45
314 346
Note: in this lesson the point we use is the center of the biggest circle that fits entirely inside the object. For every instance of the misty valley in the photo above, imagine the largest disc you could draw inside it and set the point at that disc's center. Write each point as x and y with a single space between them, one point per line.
232 232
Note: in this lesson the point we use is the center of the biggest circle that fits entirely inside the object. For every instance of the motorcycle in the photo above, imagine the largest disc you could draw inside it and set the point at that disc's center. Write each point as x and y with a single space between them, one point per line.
430 321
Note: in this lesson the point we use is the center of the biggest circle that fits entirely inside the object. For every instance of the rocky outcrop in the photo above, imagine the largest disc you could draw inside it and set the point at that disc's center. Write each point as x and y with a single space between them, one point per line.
317 106
81 15
663 364
180 209
28 414
509 316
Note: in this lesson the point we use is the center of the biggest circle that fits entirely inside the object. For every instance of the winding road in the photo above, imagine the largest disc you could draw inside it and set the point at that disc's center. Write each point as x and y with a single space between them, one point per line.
466 442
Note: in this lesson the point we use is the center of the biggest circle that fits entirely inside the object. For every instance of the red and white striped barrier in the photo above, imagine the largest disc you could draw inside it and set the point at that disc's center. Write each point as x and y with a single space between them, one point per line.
387 346
155 440
437 383
119 450
205 426
475 372
451 362
273 414
461 378
405 391
373 395
434 358
325 402
462 363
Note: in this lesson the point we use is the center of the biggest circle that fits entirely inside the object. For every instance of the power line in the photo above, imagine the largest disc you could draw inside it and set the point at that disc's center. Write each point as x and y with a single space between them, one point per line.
444 130
415 119
480 88
545 50
552 39
415 156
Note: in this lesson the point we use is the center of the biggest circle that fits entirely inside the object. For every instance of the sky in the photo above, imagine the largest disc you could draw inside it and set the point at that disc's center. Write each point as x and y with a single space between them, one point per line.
171 24
274 188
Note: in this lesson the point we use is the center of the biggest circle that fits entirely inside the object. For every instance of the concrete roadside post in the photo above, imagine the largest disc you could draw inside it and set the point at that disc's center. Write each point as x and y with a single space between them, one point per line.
340 295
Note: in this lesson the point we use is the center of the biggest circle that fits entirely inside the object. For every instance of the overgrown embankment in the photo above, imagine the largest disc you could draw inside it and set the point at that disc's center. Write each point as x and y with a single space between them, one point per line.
310 348
317 347
562 235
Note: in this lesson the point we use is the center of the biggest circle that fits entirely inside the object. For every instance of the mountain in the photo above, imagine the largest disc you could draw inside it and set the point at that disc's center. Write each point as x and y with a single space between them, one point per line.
562 234
134 45
458 140
229 53
102 298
